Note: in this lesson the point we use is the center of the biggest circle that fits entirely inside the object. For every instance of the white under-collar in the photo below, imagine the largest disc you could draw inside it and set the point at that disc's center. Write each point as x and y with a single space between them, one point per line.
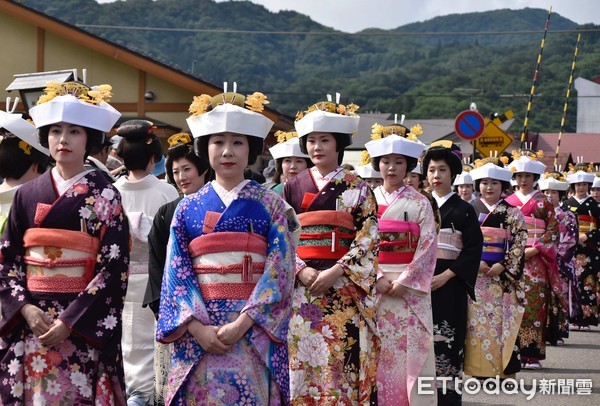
441 200
228 196
62 185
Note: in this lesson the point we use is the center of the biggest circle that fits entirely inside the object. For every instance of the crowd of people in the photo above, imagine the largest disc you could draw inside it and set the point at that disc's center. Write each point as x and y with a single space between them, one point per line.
323 285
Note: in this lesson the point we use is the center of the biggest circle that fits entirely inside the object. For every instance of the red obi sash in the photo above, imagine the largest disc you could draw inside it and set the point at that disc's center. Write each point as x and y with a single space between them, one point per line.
399 241
495 241
586 223
337 226
59 261
535 229
218 257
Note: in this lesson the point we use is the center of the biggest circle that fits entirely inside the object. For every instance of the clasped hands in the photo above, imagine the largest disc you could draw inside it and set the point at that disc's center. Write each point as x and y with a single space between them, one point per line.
218 340
49 332
320 282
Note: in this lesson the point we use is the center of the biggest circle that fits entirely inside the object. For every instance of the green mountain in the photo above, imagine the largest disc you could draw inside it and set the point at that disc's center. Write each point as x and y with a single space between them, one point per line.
430 69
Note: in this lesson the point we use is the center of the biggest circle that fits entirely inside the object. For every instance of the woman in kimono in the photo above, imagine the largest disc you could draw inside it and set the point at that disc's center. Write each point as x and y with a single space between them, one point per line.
541 277
459 245
142 194
189 173
289 160
463 186
587 264
367 172
494 318
332 339
406 262
64 265
595 190
555 188
22 158
227 289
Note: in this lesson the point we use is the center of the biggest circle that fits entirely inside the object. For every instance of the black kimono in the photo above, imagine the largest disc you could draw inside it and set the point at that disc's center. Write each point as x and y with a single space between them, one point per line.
450 301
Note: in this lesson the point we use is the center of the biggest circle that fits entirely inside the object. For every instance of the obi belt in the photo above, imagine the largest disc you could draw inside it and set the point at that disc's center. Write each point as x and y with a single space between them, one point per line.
586 223
59 261
449 243
399 241
326 234
535 229
228 264
495 243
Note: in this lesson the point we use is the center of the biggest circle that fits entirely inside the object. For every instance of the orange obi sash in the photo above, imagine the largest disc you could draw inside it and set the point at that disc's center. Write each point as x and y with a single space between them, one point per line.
399 241
59 261
495 241
326 234
228 264
535 229
586 223
449 243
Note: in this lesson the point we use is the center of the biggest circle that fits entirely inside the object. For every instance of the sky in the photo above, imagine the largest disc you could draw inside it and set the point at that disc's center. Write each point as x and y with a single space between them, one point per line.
356 15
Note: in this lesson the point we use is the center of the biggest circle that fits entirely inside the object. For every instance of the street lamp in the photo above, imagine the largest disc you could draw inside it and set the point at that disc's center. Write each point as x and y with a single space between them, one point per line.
31 85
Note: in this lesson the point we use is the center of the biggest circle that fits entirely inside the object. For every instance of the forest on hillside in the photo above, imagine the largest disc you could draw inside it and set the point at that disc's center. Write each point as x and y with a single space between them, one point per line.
425 70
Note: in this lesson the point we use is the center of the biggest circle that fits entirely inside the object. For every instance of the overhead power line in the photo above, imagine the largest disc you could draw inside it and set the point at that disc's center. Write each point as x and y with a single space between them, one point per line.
332 33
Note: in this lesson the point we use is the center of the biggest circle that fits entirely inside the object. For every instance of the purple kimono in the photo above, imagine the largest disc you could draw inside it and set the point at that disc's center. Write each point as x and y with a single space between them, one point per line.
67 255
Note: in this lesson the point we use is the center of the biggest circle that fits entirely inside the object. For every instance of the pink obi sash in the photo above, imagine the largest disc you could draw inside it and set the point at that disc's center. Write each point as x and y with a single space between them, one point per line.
228 264
337 226
535 229
59 261
586 223
399 241
495 241
449 244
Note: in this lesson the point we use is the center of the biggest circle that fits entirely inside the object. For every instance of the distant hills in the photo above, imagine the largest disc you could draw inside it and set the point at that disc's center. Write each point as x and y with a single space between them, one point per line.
424 70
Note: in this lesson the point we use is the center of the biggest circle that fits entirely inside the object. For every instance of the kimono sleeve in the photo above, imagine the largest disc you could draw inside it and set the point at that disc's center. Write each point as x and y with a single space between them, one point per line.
419 272
360 262
157 243
181 300
548 242
466 265
270 303
95 314
13 291
514 258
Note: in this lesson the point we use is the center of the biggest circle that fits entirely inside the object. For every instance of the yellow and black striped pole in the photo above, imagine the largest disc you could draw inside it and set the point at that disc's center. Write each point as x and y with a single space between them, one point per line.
564 115
537 69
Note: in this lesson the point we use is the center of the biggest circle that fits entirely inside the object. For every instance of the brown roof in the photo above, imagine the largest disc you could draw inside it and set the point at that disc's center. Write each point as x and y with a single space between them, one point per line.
572 145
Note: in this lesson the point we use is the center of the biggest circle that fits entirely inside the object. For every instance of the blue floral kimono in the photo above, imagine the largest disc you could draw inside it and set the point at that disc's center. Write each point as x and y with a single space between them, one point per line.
202 281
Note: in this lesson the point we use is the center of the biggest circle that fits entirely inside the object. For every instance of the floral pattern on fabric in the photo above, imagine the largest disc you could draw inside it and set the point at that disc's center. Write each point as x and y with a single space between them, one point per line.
332 339
86 368
269 304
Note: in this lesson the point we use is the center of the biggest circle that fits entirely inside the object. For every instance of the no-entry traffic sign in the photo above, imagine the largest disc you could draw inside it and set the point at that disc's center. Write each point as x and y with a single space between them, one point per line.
469 125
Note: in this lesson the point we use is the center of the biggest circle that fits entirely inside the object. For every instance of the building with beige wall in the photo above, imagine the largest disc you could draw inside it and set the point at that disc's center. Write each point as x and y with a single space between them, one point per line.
35 42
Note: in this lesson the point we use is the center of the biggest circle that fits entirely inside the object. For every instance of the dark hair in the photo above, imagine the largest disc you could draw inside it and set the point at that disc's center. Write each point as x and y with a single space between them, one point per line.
341 142
411 163
505 185
536 176
253 175
186 151
442 154
94 137
139 144
14 162
255 145
96 149
279 167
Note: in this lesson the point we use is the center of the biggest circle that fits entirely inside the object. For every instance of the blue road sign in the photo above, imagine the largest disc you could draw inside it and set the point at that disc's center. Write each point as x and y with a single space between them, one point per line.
469 125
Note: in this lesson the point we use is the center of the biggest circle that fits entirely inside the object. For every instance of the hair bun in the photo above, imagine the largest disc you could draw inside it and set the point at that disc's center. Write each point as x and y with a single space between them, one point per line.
137 130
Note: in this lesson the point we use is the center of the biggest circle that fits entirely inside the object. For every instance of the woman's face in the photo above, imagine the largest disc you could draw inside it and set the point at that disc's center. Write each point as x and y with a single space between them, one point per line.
553 196
186 176
393 170
413 179
321 148
490 189
228 155
595 193
465 192
67 144
525 182
292 166
581 189
439 177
